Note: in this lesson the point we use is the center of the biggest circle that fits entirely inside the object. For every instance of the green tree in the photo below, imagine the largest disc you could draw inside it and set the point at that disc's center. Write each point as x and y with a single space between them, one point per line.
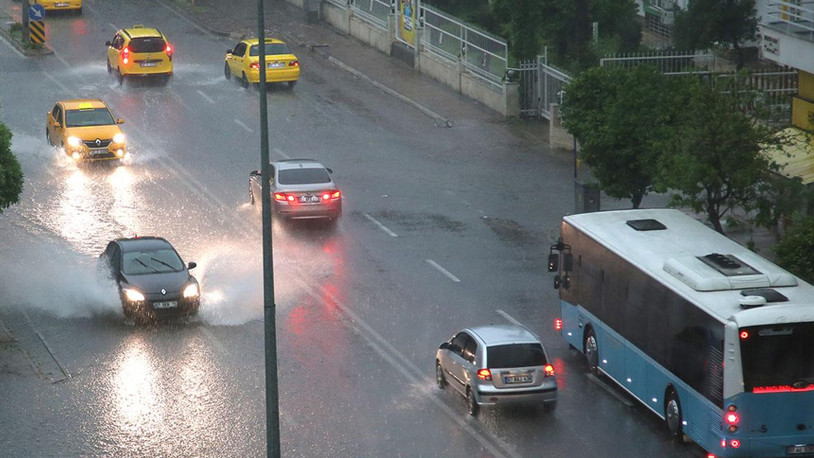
712 158
619 115
794 249
11 175
706 22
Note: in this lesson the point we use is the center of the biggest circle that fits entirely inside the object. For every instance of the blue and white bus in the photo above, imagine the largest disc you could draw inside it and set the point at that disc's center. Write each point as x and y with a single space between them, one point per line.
713 338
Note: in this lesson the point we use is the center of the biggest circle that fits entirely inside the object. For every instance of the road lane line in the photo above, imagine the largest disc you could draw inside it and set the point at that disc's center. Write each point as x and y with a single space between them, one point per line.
610 390
57 82
244 126
443 271
510 318
281 153
65 372
381 226
208 99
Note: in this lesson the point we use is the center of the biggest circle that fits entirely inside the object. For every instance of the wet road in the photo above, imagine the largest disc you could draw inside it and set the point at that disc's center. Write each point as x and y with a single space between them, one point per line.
443 228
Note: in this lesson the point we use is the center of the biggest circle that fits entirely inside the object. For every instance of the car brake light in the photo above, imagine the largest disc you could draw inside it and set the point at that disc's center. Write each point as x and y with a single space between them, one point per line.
548 370
169 51
331 195
558 324
254 65
282 197
126 55
485 374
294 63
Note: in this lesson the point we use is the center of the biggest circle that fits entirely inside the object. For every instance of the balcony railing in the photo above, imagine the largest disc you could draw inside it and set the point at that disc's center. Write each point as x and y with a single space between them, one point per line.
790 17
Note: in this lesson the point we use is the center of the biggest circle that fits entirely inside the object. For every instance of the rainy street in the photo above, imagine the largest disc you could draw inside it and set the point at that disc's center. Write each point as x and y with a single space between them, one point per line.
442 228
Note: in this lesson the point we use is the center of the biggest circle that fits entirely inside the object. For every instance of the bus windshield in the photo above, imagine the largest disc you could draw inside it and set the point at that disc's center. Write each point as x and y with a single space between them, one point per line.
778 357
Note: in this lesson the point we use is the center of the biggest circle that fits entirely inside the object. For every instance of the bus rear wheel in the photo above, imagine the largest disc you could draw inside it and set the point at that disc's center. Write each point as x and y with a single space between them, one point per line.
672 415
591 348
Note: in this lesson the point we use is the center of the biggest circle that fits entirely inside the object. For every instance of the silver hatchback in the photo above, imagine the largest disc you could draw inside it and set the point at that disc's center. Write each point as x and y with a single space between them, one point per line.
497 364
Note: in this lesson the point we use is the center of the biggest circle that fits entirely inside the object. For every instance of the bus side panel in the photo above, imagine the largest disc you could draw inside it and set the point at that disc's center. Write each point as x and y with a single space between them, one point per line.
571 329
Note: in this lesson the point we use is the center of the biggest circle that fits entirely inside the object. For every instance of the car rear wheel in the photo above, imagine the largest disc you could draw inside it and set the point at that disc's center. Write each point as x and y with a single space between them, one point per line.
245 81
440 380
471 403
226 72
109 68
120 75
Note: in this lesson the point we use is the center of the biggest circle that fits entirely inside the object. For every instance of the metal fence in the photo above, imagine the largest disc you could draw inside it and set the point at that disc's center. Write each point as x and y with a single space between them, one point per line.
540 86
375 12
482 53
668 62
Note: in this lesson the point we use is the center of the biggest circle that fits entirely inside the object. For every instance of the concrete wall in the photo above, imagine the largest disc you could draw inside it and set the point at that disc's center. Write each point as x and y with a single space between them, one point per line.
373 36
473 87
335 16
440 69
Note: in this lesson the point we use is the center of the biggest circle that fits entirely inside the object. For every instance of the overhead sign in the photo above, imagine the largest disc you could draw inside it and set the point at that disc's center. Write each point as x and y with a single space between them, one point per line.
36 12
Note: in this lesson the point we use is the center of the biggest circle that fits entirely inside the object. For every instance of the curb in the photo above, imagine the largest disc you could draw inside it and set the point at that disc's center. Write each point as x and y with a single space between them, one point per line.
5 335
5 25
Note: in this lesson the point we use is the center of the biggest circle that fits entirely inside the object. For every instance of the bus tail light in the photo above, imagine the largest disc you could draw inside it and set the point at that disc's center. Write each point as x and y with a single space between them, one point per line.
734 443
732 418
485 374
558 324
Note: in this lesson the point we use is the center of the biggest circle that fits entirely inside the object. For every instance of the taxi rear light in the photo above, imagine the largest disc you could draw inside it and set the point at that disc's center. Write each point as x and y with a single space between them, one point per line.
485 374
294 63
254 66
169 51
126 55
548 370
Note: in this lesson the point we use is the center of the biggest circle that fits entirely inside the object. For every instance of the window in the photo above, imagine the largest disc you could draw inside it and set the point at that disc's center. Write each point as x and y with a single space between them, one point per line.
304 176
515 355
151 262
458 342
271 49
57 113
470 350
239 50
89 117
147 44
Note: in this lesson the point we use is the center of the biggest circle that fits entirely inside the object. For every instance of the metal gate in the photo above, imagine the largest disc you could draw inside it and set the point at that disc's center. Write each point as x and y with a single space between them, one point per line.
540 86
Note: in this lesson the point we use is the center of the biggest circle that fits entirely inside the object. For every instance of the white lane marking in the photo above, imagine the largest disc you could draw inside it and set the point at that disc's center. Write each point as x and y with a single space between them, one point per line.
244 126
381 226
113 26
280 152
443 271
8 43
208 99
61 59
57 82
215 341
610 390
510 318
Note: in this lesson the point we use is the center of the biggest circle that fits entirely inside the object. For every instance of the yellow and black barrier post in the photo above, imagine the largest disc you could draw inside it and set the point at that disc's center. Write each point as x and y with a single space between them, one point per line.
36 32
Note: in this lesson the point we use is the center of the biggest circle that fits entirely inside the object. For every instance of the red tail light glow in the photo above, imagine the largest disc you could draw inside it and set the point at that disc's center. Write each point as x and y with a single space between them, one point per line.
558 324
294 63
732 418
744 334
126 55
485 374
734 443
780 389
282 197
169 51
548 370
254 66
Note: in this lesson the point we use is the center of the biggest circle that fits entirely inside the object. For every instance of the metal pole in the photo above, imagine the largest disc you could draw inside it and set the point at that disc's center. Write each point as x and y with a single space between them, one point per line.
25 6
269 309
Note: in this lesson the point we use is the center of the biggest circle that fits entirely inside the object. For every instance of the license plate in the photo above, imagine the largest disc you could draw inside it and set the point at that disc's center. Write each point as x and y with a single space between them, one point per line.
516 379
307 199
799 449
276 64
149 63
61 5
165 305
98 152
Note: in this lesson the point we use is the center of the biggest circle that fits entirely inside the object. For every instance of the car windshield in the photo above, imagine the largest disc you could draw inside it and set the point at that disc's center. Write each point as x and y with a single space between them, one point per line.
303 176
147 44
151 262
271 49
515 355
778 357
88 117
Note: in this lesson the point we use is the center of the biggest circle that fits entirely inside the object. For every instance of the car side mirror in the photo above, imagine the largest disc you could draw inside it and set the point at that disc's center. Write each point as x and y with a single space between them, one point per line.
553 262
191 265
57 124
107 43
228 51
329 170
120 121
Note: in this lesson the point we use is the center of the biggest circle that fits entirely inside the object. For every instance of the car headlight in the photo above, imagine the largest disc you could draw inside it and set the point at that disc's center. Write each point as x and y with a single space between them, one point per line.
133 295
191 290
74 141
118 138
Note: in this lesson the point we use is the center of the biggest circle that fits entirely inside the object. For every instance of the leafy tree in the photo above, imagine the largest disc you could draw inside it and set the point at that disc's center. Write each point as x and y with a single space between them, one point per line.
11 175
706 22
619 115
794 249
712 158
522 24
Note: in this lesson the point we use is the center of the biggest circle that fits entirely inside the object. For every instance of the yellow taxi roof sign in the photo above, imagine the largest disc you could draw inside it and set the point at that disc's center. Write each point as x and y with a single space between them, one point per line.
85 106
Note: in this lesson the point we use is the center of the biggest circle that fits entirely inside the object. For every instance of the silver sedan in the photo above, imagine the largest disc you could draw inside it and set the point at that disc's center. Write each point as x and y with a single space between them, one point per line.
300 189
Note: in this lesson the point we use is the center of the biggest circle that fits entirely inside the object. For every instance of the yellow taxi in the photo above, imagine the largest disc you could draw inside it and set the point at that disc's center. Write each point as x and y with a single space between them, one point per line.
61 5
244 62
86 129
139 51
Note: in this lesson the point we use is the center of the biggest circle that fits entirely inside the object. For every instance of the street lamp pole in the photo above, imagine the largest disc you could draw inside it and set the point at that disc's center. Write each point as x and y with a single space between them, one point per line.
269 309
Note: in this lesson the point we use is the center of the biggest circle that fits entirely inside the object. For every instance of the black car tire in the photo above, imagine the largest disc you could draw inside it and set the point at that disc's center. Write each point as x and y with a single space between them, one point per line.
244 81
48 138
291 84
591 349
226 72
440 380
471 404
672 415
109 68
120 76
